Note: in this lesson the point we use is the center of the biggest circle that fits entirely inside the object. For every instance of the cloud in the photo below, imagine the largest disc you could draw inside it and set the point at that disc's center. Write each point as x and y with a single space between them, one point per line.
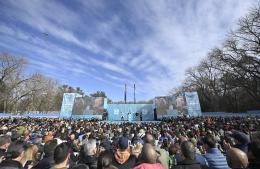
149 43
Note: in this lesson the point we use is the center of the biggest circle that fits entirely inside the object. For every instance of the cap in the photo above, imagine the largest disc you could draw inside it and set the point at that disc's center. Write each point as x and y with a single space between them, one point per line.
123 143
241 137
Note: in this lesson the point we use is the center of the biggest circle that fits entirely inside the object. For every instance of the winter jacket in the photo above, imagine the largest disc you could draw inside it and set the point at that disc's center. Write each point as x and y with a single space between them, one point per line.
46 163
188 164
215 159
11 164
90 161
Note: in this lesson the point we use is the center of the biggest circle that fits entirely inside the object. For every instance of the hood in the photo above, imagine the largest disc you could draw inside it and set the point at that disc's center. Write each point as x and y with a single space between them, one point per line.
122 156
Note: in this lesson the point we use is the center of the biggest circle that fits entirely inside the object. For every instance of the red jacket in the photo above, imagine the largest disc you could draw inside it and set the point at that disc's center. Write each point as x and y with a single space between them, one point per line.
149 166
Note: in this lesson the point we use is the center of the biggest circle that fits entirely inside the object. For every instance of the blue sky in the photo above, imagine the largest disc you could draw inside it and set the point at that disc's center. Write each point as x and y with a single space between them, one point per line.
103 44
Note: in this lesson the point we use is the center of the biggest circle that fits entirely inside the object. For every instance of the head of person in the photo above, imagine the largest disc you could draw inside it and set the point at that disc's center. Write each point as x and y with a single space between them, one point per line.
123 143
209 142
61 153
105 160
5 142
16 151
30 154
136 149
148 154
188 150
149 138
240 138
237 158
49 147
174 148
90 147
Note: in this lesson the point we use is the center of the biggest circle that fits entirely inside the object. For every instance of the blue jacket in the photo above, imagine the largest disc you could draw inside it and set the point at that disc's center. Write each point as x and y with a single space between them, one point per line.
216 160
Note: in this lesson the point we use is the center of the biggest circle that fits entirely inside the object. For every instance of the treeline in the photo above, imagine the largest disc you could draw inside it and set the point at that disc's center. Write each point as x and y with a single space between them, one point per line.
20 93
228 79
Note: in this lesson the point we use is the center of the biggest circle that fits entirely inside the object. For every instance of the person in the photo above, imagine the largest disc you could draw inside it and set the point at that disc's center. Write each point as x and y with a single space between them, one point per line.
122 158
61 156
189 157
5 142
48 160
15 154
254 151
105 160
136 149
80 166
241 140
30 156
174 149
237 159
164 157
88 154
215 159
148 158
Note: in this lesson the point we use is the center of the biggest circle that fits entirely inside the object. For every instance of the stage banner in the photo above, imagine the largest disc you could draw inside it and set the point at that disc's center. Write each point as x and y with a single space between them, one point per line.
193 103
88 105
67 104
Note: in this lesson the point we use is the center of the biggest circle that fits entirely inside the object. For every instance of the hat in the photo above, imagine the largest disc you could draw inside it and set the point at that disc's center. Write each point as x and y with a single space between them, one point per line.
137 140
241 137
106 145
123 143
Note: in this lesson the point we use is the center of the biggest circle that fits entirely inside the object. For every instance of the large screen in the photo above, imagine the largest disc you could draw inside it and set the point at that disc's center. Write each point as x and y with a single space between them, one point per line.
88 105
171 105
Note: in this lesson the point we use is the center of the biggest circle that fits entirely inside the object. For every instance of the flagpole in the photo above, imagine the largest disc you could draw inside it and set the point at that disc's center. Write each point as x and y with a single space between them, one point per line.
134 93
125 93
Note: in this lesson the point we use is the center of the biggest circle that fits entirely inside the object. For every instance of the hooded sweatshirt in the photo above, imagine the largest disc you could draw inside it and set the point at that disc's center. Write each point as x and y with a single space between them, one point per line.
123 159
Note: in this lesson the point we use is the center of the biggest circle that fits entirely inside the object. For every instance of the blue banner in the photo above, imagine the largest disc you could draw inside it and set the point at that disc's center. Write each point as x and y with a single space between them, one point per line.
67 104
193 103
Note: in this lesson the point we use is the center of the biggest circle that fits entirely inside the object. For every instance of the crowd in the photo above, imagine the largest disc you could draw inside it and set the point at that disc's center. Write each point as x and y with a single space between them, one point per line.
173 143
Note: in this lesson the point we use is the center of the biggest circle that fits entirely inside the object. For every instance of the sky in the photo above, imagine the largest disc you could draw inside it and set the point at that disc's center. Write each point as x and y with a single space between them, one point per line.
104 44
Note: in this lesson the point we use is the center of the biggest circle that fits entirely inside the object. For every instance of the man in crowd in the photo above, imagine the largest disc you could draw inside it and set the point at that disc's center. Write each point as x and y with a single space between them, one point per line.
5 142
122 157
216 160
61 156
88 154
237 159
15 154
48 159
254 151
188 156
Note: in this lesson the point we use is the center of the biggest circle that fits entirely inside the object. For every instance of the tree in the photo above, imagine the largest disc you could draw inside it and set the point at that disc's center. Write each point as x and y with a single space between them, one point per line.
98 94
12 81
228 79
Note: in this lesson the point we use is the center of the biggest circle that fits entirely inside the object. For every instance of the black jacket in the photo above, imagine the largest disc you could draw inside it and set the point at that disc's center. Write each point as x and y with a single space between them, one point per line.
188 164
45 163
130 163
90 161
254 164
2 152
11 164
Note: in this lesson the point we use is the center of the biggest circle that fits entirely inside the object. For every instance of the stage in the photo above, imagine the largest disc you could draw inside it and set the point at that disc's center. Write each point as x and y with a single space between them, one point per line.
134 122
